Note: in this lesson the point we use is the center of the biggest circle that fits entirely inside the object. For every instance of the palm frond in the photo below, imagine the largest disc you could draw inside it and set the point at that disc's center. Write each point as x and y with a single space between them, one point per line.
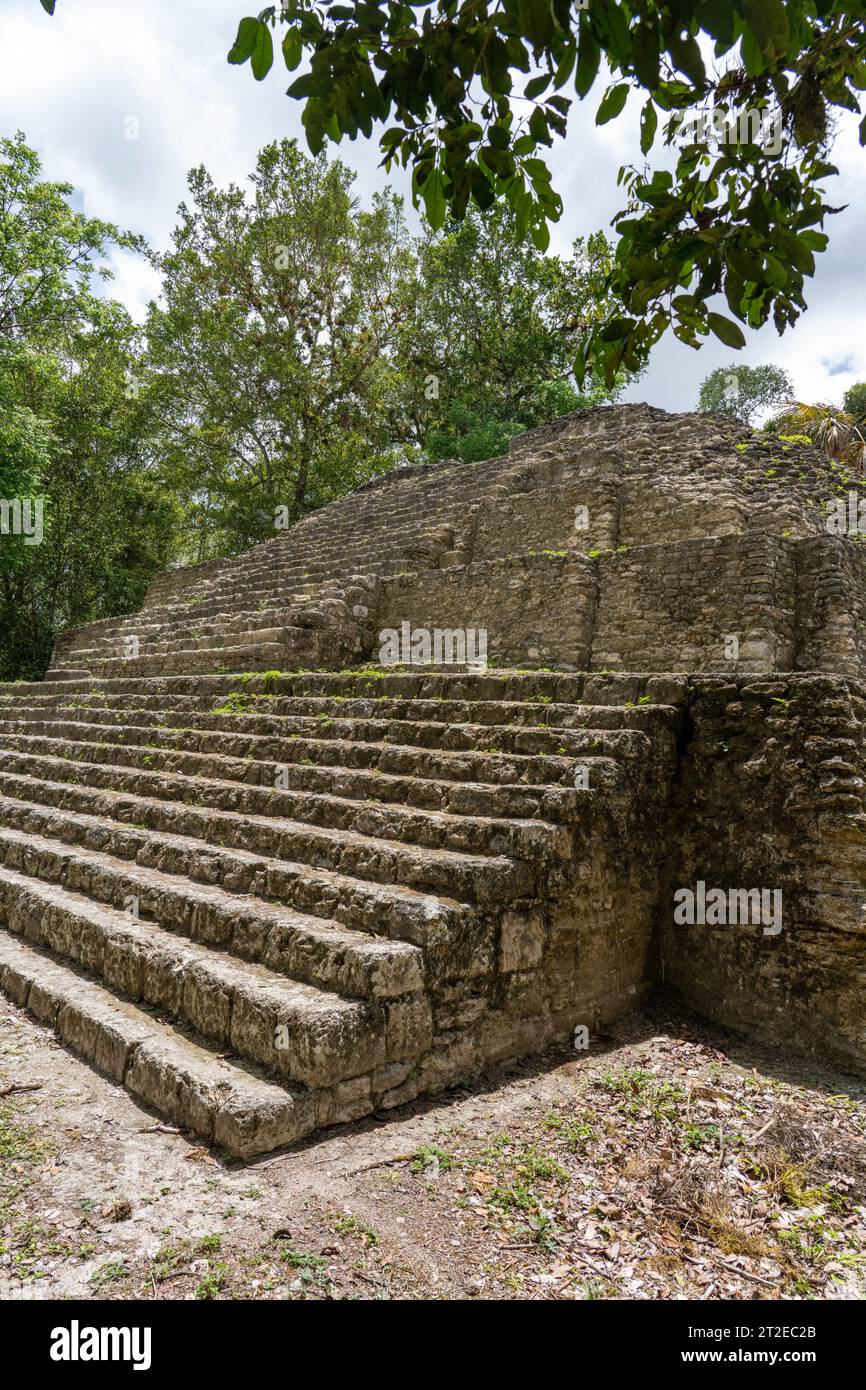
830 428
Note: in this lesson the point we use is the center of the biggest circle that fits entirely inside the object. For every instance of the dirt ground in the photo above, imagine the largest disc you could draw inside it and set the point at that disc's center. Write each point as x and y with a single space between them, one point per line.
665 1162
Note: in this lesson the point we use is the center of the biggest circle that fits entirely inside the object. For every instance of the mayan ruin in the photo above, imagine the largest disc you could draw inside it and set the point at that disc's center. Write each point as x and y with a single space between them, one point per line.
432 676
370 883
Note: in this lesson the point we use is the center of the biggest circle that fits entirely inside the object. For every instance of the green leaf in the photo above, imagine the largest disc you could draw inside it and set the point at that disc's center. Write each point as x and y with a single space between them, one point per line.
523 209
537 86
616 329
717 17
816 241
801 255
566 66
540 234
536 21
726 331
753 59
48 5
687 57
838 95
482 190
612 103
589 57
303 86
262 56
433 194
648 125
245 42
293 48
314 120
537 170
498 161
863 131
538 127
746 264
645 54
769 25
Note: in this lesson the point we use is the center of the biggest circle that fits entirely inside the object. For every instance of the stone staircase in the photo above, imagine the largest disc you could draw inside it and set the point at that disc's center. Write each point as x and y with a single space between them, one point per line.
269 889
309 598
277 907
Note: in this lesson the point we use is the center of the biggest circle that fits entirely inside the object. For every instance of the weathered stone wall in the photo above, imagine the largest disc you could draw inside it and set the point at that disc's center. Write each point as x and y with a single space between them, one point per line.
536 609
671 607
790 604
771 793
831 606
547 520
643 481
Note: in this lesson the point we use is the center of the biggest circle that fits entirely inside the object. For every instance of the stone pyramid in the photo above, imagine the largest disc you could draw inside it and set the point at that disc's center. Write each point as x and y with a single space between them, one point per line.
269 883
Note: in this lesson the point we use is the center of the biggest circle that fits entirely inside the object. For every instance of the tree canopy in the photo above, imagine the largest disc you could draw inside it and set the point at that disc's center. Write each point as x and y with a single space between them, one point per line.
473 93
70 441
270 355
854 402
744 392
490 346
300 344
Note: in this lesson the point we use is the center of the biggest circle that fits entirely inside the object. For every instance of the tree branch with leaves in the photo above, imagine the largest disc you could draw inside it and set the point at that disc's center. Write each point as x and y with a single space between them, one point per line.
473 94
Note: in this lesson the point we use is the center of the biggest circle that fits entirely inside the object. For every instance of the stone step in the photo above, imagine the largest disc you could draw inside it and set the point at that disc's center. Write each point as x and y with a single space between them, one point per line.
221 614
36 841
455 724
482 689
163 641
485 802
184 661
292 1030
233 736
317 647
259 712
527 838
253 787
472 878
241 854
488 767
172 1073
241 599
283 584
305 609
232 633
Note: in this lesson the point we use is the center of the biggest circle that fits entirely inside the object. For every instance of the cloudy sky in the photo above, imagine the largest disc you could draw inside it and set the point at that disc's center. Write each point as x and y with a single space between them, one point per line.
79 83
